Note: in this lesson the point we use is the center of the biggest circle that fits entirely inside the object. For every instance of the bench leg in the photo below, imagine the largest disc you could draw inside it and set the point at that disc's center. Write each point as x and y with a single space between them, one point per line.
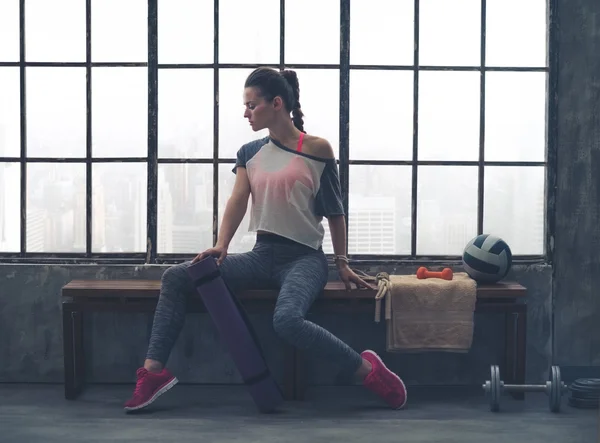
74 365
521 339
289 372
79 352
516 329
300 376
508 371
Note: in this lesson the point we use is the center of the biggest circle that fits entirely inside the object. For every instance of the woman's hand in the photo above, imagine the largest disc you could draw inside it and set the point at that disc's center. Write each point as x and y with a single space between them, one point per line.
218 251
347 275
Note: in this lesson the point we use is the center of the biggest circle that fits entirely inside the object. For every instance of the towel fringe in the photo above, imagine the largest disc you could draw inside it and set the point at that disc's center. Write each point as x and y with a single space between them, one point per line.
383 289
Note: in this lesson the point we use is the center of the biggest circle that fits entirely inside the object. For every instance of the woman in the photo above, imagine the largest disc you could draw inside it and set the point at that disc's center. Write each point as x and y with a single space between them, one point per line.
293 180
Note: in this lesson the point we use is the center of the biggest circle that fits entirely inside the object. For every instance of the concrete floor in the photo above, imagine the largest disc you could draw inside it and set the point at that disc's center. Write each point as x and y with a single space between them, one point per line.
39 413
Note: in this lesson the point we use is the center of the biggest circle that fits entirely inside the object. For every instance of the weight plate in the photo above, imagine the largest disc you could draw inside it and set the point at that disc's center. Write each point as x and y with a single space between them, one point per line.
587 384
556 389
585 393
493 395
583 403
495 389
579 392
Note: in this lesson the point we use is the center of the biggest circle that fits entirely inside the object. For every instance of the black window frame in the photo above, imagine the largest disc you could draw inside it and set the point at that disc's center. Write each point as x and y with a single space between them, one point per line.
150 256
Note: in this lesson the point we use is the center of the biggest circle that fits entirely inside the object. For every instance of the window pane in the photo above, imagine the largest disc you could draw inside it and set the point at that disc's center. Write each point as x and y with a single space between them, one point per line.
449 110
391 94
243 240
515 116
10 207
185 31
249 31
55 30
119 196
450 33
525 44
56 207
185 208
320 102
185 113
379 201
369 44
510 213
10 113
234 130
446 209
322 43
9 30
56 107
119 30
120 112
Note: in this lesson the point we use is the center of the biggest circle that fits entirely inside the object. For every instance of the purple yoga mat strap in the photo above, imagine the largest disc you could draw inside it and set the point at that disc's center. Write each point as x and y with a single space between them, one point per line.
236 332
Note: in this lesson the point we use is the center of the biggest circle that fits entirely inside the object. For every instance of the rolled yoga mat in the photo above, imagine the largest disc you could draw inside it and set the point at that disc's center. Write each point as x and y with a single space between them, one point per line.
237 333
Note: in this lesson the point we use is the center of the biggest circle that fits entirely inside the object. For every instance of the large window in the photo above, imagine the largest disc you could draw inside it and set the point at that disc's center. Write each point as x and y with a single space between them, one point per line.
120 121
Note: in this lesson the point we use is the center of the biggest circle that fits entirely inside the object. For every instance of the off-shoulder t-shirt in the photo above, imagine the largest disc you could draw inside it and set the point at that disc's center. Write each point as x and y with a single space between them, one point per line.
291 191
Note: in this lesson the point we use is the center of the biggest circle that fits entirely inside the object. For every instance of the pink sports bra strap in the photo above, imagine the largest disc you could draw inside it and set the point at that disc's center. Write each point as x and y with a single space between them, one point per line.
299 148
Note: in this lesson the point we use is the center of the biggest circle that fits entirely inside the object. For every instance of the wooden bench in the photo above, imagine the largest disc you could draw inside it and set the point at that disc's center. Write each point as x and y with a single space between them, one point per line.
85 296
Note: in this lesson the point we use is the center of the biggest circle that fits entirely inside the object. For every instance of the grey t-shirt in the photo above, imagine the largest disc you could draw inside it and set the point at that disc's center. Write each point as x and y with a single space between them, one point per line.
291 191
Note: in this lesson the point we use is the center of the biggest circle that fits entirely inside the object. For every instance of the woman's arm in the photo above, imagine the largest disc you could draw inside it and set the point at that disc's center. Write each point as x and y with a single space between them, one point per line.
234 214
337 228
337 223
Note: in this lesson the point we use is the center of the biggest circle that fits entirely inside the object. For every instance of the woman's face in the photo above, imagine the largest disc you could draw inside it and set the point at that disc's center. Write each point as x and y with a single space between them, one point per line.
259 112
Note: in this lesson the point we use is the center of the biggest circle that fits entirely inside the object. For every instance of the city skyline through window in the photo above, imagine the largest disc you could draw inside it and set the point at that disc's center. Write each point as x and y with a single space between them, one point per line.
121 145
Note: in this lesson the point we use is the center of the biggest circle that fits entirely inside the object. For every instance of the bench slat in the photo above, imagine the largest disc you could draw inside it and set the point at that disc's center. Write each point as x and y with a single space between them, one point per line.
333 290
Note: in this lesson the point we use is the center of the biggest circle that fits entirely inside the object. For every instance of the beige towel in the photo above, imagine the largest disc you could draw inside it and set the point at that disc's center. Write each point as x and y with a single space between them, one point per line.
427 315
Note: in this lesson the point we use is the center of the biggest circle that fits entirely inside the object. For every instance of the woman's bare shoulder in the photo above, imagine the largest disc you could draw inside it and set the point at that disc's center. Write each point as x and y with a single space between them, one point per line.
317 146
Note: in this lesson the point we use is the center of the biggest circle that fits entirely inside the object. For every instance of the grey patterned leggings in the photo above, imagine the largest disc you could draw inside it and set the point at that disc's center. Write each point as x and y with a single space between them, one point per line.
298 271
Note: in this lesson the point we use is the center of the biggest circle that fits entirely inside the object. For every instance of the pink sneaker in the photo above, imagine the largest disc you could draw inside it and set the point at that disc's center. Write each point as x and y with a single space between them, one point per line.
384 382
149 387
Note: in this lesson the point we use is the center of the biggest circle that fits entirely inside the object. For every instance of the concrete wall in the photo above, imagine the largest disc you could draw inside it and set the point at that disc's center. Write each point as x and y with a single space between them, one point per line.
562 301
577 239
31 344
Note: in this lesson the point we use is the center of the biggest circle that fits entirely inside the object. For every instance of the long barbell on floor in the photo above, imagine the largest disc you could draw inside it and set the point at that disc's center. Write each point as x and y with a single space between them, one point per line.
554 388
